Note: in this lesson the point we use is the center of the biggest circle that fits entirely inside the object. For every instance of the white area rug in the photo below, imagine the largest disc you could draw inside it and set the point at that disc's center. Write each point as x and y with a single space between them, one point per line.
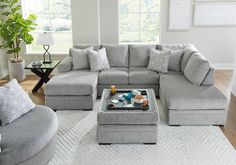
185 145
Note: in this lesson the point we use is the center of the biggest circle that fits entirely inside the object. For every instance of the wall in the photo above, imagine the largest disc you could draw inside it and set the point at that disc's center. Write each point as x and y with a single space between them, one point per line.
96 21
218 44
85 21
3 64
109 23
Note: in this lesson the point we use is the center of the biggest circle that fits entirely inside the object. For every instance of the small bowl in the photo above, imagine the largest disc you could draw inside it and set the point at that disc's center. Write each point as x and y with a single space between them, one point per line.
138 101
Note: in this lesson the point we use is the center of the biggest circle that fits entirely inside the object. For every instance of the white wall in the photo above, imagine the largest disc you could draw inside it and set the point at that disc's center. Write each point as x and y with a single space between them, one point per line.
109 23
3 64
85 21
218 44
96 21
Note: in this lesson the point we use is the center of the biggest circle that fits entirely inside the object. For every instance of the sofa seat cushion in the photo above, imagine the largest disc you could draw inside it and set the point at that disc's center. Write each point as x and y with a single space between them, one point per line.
74 83
179 93
28 135
142 75
113 76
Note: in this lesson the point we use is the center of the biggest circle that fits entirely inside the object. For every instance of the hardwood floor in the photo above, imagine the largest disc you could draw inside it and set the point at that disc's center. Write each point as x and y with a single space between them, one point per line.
223 81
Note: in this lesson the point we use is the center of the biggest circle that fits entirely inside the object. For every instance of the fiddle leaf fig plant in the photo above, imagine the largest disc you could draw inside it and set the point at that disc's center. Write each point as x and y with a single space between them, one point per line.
14 28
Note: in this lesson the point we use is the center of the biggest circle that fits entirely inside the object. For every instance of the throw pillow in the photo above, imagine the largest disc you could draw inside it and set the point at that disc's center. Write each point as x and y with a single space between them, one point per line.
16 103
175 59
196 69
98 60
80 58
159 60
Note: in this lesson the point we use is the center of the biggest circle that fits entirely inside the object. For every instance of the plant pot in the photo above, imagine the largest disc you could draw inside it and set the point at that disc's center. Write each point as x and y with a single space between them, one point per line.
17 70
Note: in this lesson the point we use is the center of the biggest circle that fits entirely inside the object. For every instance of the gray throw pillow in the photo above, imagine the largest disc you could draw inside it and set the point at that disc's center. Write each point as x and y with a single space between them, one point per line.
98 60
16 102
175 59
159 60
196 69
80 58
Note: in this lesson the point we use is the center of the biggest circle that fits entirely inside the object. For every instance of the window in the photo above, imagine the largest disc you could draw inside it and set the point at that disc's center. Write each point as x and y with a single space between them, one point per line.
52 15
139 21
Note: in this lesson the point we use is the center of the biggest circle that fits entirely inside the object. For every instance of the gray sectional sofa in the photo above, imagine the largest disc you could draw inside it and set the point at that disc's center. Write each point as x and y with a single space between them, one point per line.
185 103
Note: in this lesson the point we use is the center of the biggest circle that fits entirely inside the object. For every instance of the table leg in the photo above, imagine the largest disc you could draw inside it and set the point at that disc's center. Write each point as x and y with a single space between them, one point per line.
44 77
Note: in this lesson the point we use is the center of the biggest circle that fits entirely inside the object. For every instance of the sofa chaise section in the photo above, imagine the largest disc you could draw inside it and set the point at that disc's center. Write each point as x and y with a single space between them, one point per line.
189 104
72 90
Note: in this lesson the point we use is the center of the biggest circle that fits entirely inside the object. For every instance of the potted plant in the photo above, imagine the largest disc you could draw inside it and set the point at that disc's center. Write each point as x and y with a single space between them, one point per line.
15 30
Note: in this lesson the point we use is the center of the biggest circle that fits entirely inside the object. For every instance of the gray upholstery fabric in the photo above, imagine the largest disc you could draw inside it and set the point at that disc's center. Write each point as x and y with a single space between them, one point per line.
114 76
179 93
44 156
173 46
142 75
79 83
155 87
16 103
28 135
127 118
139 55
196 69
197 117
65 65
127 134
117 55
80 58
175 60
71 102
159 60
188 51
209 79
84 46
98 60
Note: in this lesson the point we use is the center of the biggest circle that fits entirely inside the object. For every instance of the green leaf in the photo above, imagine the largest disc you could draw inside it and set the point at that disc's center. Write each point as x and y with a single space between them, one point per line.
10 51
6 13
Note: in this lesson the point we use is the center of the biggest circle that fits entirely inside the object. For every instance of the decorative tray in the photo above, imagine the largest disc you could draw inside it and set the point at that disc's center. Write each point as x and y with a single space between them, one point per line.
125 104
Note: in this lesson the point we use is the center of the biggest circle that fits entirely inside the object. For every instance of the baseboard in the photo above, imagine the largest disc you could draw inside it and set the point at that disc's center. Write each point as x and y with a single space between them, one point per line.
223 65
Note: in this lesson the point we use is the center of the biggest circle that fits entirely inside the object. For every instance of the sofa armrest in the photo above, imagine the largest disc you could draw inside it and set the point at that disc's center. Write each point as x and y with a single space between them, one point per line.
65 65
210 77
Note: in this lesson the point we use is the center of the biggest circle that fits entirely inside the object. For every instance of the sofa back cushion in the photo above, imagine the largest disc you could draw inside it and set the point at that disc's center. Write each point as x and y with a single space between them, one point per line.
173 46
80 58
139 55
197 69
188 51
117 55
84 46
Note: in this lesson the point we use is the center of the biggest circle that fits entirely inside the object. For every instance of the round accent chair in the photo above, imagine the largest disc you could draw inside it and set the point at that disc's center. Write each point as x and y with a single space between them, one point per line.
31 139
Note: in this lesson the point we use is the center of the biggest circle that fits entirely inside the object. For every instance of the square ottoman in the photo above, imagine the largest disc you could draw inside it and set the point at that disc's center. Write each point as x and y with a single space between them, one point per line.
127 126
